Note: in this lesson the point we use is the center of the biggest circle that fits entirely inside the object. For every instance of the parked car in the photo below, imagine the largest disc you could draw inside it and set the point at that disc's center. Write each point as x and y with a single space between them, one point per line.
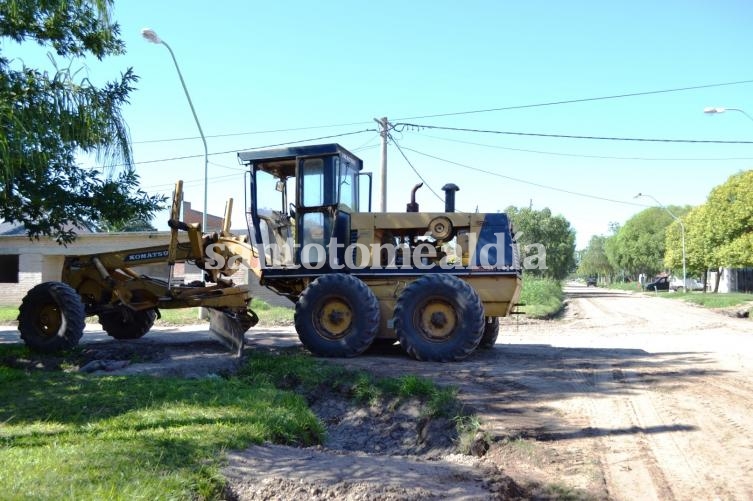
691 284
591 281
658 284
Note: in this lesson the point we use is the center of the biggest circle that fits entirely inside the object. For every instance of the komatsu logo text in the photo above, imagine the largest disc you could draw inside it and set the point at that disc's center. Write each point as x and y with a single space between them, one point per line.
143 256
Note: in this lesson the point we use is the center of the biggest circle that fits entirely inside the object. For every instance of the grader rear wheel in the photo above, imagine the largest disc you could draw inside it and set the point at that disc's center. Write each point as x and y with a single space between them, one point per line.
337 316
439 318
124 323
51 317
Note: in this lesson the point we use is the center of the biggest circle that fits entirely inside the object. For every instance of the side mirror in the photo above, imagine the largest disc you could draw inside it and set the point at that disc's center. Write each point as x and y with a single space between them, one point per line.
280 186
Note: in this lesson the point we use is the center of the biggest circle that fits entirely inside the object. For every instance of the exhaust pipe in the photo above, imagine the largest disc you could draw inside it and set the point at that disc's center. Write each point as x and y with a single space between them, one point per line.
413 206
449 196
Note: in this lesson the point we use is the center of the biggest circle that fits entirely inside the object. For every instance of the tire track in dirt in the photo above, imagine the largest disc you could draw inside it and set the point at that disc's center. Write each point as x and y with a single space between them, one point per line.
722 448
629 462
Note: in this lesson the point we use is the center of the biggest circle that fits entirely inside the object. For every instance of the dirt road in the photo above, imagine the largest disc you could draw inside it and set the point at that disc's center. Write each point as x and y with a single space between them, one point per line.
628 396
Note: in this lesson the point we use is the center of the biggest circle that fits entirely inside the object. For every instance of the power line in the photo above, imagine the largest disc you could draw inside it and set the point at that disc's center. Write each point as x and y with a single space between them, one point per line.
562 190
487 110
249 133
250 148
363 148
571 136
241 169
580 100
367 144
426 183
581 155
190 181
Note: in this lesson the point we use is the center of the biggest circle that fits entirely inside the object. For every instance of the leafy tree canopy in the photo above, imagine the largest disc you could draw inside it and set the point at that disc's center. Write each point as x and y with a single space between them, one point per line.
730 220
699 255
46 120
132 225
718 233
554 233
639 245
594 260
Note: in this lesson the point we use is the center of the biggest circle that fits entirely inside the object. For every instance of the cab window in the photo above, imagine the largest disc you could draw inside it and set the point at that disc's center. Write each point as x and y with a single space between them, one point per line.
313 182
347 181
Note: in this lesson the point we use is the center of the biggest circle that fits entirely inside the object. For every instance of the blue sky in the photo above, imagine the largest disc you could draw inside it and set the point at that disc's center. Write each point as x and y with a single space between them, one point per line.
264 66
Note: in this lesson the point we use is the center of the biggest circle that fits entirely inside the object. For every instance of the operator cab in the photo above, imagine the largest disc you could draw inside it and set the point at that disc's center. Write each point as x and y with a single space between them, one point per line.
301 199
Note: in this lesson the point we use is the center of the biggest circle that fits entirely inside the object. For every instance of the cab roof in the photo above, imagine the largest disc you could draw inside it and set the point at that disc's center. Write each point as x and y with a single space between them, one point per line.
292 152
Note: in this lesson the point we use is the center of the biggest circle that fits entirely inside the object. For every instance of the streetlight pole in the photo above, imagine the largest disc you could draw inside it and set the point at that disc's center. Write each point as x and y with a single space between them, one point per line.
711 110
682 230
150 35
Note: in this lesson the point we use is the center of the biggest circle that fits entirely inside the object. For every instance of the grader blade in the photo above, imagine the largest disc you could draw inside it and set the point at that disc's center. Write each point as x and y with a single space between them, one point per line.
228 328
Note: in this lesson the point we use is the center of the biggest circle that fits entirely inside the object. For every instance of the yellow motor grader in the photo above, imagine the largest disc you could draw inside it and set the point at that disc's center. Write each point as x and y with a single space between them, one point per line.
436 282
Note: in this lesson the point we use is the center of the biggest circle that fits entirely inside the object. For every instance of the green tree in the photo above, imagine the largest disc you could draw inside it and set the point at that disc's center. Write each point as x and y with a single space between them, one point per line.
536 228
718 233
48 119
639 245
594 260
699 255
611 248
730 220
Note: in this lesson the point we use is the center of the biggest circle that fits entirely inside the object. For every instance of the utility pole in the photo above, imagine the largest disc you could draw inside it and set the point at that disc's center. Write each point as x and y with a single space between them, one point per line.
384 123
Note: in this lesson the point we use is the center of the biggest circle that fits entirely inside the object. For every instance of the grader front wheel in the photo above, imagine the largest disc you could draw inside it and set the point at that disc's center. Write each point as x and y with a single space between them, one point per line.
439 318
51 317
337 316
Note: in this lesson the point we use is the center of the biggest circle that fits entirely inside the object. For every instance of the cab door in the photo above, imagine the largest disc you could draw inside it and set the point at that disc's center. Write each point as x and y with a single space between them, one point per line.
316 202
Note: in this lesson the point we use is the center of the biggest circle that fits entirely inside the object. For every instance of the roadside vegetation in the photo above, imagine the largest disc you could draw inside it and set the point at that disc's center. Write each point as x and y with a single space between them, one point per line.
65 435
705 299
543 297
712 300
8 314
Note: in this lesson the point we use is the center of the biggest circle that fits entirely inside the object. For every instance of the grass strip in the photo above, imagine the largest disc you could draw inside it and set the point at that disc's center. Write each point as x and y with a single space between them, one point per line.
712 300
65 435
543 297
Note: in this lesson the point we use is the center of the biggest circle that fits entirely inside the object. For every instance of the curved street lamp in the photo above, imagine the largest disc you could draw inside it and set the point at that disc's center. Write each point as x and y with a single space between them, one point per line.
150 35
711 110
682 229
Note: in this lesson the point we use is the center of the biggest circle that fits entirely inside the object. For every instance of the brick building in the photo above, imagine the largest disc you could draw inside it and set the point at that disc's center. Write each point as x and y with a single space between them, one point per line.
190 216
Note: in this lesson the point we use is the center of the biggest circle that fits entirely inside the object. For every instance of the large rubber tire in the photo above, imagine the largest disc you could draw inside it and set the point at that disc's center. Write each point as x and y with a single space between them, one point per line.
124 323
439 318
491 331
337 315
51 317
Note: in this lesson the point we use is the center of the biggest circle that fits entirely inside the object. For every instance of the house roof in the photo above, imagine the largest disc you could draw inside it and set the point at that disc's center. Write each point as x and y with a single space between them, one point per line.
13 228
7 228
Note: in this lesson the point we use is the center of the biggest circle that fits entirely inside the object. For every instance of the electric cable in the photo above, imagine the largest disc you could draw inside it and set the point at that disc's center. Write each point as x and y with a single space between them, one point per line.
580 100
571 136
249 133
426 183
523 181
581 155
437 115
184 157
